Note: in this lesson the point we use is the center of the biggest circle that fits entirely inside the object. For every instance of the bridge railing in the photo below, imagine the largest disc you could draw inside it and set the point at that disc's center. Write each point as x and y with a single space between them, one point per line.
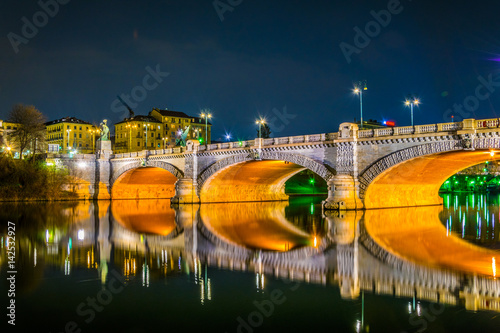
422 129
487 123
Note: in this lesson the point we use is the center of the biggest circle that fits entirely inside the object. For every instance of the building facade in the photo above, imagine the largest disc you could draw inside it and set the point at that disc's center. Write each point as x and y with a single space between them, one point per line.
175 122
162 129
70 134
138 133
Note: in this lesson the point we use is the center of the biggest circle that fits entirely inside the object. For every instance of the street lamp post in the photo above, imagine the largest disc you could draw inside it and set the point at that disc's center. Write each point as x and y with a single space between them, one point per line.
67 145
260 122
92 133
206 115
146 125
359 90
164 142
410 102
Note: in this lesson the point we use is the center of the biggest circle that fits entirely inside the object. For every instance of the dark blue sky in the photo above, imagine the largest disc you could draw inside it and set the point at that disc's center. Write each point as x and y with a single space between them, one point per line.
265 57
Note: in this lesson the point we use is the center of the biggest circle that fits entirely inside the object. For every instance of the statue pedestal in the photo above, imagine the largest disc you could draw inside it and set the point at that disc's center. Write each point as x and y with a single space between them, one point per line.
104 149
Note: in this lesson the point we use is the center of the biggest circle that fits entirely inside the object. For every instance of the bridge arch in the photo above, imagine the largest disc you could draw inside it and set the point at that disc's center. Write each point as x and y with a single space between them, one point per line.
254 177
413 176
144 180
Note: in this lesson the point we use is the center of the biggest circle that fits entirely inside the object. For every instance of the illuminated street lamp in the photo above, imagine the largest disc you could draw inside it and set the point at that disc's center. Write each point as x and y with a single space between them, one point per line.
260 122
67 146
164 142
92 133
410 102
206 115
228 136
196 133
146 125
358 90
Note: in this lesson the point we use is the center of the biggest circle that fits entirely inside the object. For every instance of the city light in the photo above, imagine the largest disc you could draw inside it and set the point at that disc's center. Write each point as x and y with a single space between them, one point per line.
411 102
228 136
357 90
207 116
260 122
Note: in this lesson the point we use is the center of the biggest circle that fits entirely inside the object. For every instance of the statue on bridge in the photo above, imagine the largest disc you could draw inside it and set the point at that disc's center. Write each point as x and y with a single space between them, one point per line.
104 131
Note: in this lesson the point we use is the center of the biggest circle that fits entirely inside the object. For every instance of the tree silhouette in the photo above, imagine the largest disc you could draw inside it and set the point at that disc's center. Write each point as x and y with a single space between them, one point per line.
30 131
265 131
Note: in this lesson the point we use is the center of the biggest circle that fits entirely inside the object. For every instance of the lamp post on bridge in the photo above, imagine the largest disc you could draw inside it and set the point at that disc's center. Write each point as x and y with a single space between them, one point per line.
410 102
67 145
206 114
146 125
260 122
92 132
358 89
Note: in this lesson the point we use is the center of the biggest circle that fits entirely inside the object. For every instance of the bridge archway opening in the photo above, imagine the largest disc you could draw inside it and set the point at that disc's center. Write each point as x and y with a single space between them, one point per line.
254 180
144 183
416 182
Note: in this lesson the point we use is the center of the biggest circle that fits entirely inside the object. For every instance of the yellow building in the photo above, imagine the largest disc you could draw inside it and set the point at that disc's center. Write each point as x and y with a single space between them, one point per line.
175 122
71 135
164 128
137 133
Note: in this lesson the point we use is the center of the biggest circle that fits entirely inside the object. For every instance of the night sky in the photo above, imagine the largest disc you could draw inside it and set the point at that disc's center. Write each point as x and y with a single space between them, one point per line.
278 59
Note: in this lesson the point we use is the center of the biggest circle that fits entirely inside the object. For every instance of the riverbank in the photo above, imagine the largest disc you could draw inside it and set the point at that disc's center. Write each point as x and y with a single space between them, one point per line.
22 180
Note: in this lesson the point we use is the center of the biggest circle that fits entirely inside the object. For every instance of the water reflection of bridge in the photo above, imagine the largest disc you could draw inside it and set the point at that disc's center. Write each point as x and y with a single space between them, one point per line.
346 254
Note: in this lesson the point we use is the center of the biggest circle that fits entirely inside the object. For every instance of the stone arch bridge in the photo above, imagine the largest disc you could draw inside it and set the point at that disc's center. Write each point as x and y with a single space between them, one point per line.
364 169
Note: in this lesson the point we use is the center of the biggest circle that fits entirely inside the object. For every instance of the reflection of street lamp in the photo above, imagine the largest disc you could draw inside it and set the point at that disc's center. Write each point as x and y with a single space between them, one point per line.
206 115
410 102
260 122
359 90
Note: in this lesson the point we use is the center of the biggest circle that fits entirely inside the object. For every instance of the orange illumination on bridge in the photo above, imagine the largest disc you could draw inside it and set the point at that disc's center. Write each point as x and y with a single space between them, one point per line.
250 181
144 183
416 182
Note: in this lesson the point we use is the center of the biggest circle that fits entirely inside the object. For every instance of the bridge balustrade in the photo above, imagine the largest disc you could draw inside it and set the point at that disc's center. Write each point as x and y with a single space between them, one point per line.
487 123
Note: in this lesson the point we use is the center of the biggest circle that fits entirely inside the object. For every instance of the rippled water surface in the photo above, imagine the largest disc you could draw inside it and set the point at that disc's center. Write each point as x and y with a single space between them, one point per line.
144 266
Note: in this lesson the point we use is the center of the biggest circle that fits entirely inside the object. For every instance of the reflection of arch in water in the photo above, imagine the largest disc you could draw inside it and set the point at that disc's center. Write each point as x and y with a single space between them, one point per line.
152 217
416 234
255 226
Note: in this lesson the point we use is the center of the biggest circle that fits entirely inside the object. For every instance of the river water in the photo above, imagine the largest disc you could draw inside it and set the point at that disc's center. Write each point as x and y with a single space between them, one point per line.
144 266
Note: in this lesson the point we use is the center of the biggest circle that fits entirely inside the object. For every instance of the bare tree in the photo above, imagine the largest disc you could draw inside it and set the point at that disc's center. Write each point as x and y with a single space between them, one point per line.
30 131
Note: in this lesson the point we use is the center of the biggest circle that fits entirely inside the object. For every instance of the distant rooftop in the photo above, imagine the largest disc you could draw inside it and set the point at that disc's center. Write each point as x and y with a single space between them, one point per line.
171 113
139 118
67 120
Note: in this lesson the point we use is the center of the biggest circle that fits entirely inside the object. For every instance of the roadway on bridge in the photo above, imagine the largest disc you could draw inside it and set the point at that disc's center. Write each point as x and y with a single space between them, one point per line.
418 235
